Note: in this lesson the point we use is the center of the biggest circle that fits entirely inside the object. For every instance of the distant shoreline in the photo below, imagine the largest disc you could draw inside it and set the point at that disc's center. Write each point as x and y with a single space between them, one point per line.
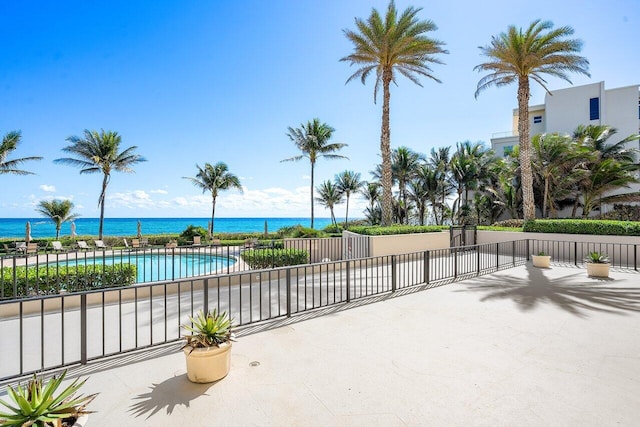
15 228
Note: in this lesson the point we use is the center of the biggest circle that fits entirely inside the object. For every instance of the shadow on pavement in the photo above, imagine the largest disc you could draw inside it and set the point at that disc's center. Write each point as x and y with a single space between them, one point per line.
575 293
172 392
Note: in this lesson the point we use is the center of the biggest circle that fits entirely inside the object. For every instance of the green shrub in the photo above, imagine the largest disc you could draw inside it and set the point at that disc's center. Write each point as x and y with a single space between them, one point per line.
375 230
193 230
45 280
498 228
583 226
268 258
298 231
510 223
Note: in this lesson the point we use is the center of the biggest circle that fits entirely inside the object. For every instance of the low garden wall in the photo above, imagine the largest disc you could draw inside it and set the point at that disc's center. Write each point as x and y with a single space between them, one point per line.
405 243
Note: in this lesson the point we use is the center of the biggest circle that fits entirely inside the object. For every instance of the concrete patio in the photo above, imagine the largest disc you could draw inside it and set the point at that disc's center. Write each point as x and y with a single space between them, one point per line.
522 346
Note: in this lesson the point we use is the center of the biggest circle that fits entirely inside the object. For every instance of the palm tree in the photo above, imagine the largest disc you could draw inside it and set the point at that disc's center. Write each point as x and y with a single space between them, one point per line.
9 143
371 192
404 165
59 211
348 182
214 178
596 137
606 176
520 56
312 139
441 162
329 195
424 189
389 46
99 152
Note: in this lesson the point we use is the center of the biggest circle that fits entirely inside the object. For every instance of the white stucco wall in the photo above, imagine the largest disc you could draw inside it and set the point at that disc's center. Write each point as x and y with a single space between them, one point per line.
568 108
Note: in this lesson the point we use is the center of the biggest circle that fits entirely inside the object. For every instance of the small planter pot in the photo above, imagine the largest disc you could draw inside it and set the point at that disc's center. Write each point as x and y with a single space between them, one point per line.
542 261
206 365
597 269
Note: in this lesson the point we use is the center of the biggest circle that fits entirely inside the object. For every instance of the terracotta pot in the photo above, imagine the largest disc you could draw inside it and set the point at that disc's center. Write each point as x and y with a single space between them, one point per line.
542 261
597 269
206 365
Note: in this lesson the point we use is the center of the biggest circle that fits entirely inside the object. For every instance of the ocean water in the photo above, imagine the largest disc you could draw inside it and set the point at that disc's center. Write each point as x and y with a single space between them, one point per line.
43 227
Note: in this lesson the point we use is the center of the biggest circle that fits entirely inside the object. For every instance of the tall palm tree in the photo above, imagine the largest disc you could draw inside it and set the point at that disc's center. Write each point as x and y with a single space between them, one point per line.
348 182
214 178
9 143
423 190
60 211
390 46
99 152
404 165
329 195
312 139
517 56
441 162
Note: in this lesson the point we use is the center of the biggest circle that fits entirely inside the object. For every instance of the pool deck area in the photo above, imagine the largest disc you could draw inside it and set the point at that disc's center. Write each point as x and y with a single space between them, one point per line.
522 346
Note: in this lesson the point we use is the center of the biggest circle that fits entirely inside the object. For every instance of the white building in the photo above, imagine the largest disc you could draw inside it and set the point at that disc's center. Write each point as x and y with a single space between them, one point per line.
564 109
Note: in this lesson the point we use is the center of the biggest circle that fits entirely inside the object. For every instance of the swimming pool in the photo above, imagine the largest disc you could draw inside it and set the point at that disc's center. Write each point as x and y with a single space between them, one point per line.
159 266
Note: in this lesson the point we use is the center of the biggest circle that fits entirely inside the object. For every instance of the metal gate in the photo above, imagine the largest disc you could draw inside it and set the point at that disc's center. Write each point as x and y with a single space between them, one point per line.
462 235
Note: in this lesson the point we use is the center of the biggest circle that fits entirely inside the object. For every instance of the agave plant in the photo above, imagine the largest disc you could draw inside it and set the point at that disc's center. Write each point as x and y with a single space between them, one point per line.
39 404
209 329
597 258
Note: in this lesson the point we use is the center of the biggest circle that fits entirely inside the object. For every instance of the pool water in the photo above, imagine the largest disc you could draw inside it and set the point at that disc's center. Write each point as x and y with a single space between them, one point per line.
158 267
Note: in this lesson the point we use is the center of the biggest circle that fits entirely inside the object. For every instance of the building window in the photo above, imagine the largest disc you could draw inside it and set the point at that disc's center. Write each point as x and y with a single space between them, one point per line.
537 119
594 108
506 150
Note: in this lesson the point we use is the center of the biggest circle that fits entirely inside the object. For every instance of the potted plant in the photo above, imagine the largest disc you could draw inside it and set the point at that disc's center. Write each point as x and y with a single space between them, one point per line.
40 404
208 348
542 260
597 264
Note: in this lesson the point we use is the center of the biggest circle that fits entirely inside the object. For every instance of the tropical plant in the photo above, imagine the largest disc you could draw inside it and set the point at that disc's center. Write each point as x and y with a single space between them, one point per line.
441 162
59 211
99 152
395 44
596 137
208 330
517 56
312 139
597 258
348 182
329 195
40 402
606 176
404 166
215 179
9 143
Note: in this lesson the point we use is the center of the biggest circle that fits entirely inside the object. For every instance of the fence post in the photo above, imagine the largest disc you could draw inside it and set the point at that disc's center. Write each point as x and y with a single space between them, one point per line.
393 273
513 253
15 279
348 281
497 255
205 296
575 252
426 267
455 263
83 329
635 257
528 251
288 292
477 260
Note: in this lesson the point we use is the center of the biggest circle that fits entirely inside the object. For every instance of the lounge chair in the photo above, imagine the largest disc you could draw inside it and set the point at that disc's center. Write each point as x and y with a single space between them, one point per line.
8 250
21 247
32 248
135 243
100 245
57 246
144 242
82 245
171 244
216 242
197 241
250 243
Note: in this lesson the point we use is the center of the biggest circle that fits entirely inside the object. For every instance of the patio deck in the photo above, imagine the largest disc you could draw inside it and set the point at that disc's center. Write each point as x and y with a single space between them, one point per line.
522 346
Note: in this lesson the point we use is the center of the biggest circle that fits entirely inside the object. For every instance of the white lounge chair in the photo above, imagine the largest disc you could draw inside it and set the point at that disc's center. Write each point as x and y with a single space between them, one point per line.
100 245
57 246
82 245
21 247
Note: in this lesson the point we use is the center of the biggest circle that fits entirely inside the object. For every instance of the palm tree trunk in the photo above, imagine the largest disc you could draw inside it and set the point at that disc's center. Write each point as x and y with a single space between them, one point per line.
312 172
544 197
213 212
105 182
346 215
526 175
57 231
385 150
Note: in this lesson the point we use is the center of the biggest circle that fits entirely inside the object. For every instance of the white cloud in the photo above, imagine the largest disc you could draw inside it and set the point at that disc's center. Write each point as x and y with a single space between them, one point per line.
159 191
48 188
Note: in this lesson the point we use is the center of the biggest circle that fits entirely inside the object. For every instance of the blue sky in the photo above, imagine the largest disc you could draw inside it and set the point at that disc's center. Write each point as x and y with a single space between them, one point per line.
206 81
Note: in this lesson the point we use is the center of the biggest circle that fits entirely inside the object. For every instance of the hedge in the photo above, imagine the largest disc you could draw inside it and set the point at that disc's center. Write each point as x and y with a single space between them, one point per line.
583 226
268 258
375 230
43 280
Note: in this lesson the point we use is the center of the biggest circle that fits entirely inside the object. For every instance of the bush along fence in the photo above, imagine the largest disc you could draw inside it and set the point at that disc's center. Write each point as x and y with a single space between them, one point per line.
52 331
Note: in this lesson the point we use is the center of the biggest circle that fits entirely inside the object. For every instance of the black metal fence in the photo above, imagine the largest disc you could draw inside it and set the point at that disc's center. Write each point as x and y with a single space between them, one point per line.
52 331
620 255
